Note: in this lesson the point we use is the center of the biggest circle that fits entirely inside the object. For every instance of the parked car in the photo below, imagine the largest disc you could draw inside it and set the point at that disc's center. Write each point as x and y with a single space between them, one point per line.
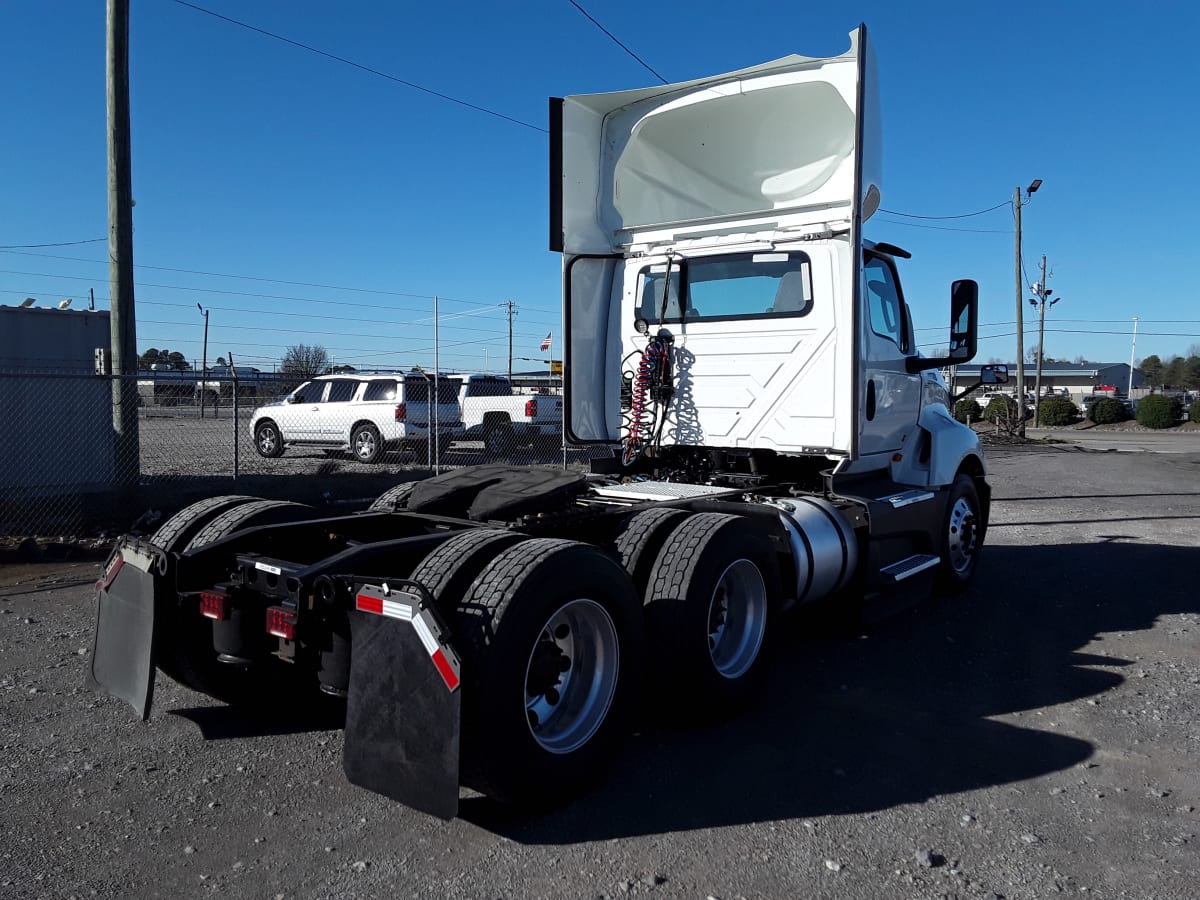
365 414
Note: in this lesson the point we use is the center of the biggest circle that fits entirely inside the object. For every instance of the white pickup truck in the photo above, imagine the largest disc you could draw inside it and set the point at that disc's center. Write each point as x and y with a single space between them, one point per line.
503 418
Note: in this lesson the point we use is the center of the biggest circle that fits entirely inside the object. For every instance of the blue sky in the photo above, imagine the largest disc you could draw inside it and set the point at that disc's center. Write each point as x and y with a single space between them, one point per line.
255 158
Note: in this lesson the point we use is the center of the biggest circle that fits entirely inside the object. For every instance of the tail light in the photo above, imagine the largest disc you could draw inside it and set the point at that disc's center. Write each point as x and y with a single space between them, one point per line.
281 622
531 407
401 412
214 605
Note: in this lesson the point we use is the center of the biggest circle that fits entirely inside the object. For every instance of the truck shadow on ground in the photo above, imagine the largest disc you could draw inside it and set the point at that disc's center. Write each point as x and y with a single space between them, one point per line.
900 715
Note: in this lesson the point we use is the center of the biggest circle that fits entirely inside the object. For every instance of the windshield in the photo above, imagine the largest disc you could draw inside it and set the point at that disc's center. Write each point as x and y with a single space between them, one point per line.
746 286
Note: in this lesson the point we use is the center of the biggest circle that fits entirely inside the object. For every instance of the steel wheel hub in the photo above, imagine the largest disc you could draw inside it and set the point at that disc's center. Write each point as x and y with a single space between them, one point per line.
960 542
737 618
571 676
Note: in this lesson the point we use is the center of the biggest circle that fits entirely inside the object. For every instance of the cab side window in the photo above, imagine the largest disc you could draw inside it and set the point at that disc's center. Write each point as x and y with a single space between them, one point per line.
882 294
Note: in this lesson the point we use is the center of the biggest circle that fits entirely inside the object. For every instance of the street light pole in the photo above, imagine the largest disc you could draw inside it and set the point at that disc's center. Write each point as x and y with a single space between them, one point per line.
1017 204
203 361
1132 351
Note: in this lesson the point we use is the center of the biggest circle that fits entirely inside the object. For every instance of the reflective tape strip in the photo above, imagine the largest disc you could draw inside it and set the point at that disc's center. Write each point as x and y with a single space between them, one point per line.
444 668
107 578
381 607
426 636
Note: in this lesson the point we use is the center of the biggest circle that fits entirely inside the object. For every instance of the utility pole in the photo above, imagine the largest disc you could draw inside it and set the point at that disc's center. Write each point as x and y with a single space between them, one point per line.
512 311
122 329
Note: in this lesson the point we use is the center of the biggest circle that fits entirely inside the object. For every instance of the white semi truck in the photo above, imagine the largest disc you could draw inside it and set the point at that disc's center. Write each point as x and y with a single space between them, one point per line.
767 436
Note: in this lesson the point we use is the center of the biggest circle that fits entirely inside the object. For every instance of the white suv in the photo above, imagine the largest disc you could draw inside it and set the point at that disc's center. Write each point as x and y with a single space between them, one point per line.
363 414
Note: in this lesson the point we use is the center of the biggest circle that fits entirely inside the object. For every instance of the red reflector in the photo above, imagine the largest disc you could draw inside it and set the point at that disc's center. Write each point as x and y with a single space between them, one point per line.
401 412
444 669
281 622
214 605
369 604
531 408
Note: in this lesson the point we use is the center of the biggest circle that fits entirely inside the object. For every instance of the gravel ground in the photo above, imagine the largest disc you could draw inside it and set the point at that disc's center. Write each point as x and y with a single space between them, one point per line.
1036 737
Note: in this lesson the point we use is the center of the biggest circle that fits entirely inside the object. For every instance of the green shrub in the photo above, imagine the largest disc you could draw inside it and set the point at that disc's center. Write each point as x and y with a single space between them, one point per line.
1057 411
1194 412
1107 411
967 410
1158 411
1001 409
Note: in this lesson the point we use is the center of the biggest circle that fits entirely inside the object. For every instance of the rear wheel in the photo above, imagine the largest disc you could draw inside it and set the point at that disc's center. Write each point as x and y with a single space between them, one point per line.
174 534
640 539
267 439
551 637
498 440
709 603
365 444
962 537
393 498
447 572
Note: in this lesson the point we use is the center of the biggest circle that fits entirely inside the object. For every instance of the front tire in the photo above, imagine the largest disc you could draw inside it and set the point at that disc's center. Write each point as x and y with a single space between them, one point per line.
961 537
552 639
267 440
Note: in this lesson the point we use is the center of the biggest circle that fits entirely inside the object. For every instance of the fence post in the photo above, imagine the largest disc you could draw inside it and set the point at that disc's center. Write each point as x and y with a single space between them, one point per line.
236 417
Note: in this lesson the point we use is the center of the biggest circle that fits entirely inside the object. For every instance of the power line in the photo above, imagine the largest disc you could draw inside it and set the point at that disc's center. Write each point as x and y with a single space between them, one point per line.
946 227
360 66
961 216
645 65
56 244
329 287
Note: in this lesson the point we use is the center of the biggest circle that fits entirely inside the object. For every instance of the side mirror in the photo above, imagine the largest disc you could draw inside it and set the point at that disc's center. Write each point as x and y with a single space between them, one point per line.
295 398
964 319
964 325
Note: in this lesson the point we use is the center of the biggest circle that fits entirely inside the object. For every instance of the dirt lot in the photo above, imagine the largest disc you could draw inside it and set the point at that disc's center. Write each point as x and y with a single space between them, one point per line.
1036 737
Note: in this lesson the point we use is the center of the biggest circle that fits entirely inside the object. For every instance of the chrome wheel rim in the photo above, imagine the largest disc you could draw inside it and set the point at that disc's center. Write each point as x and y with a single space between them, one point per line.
737 618
364 444
961 540
267 439
571 676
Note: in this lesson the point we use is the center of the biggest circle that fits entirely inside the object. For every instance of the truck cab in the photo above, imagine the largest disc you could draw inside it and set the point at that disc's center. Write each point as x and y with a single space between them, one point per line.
788 333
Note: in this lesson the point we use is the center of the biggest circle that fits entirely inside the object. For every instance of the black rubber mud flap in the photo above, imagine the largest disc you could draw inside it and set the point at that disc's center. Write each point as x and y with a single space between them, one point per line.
403 709
122 661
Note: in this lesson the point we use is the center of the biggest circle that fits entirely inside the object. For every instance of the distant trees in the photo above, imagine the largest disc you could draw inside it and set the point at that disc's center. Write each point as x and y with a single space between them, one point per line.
1177 372
303 361
164 359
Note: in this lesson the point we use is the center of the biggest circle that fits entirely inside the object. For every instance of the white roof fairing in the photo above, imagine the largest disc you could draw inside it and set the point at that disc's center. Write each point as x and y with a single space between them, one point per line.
778 139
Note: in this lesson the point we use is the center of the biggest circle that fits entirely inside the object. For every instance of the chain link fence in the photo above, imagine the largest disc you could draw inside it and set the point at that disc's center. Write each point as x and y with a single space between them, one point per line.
69 470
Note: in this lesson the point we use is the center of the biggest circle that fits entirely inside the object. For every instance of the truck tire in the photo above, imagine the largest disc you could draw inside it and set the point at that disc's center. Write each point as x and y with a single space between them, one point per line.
248 515
640 539
174 534
447 572
393 498
710 602
961 537
554 625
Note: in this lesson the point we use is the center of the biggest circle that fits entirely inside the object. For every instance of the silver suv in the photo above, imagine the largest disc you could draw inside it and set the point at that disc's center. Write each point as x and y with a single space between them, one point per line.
363 414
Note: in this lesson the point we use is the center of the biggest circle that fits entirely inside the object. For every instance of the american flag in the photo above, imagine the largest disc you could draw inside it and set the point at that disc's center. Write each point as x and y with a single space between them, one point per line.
546 343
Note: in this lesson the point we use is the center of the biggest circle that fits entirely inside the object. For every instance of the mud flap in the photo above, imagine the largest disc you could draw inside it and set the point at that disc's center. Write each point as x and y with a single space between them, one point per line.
122 660
404 704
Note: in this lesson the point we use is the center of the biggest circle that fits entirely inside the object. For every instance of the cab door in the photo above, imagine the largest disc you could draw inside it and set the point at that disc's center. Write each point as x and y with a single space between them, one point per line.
891 397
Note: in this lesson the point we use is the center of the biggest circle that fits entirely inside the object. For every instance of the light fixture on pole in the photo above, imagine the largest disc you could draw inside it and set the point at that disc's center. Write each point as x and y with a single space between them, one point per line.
203 361
1017 204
